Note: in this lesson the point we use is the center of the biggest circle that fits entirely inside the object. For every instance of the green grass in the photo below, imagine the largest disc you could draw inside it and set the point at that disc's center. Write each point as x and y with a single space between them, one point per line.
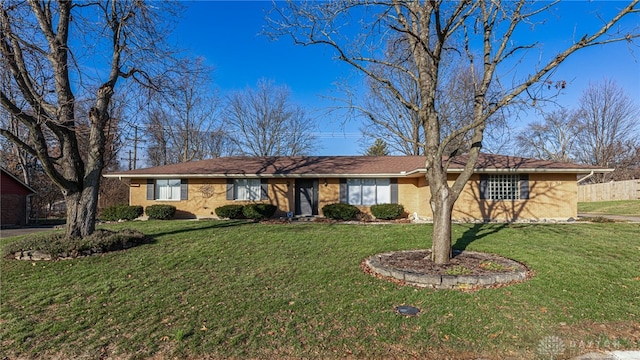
620 207
245 290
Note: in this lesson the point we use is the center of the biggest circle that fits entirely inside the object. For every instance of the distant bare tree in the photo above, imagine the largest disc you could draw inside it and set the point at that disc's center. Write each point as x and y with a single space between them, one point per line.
182 117
555 138
263 122
629 167
385 116
609 131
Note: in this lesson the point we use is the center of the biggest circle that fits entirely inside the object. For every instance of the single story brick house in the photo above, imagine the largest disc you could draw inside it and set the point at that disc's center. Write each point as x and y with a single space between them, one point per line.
502 187
13 200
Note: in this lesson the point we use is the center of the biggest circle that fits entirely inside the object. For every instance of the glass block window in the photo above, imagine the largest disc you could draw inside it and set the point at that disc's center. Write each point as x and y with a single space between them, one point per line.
501 187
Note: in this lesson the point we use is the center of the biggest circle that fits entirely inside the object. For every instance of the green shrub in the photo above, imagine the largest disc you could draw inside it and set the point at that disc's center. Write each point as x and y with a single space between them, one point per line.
229 211
340 211
121 212
58 245
160 212
387 211
259 211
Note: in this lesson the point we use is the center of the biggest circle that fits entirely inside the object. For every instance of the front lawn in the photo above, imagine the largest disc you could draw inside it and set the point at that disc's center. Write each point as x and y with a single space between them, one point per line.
245 290
620 207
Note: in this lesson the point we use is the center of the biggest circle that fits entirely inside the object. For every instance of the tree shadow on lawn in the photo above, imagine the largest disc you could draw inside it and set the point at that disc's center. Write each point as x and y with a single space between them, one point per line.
209 226
476 232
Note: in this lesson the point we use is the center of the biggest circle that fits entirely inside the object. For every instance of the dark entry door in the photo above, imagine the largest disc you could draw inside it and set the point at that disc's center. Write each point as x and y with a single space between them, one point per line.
307 197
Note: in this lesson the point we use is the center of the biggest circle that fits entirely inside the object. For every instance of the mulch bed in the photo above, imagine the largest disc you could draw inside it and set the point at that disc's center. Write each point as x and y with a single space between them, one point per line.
419 261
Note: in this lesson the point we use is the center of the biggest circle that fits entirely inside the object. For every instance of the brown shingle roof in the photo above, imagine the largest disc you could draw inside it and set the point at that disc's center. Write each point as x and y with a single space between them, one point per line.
335 166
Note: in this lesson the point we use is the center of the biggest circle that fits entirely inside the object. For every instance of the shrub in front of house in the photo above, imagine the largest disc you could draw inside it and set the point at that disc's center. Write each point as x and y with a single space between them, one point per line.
259 211
340 211
387 211
121 212
229 211
160 212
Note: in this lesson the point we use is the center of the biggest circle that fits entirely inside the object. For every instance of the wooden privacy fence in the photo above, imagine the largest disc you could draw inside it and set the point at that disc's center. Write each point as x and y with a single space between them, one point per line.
615 190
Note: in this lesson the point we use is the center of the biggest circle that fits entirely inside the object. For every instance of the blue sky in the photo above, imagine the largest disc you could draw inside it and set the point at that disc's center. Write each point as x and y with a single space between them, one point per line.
227 35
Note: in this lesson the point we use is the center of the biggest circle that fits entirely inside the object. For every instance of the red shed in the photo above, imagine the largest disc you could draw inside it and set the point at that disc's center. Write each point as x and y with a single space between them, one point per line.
13 199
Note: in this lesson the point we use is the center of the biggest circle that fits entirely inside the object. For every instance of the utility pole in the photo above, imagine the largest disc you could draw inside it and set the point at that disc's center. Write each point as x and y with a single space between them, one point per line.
135 140
129 160
135 146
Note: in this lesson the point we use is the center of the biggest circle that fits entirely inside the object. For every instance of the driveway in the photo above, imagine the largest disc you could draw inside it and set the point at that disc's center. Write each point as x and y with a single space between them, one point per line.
4 233
634 219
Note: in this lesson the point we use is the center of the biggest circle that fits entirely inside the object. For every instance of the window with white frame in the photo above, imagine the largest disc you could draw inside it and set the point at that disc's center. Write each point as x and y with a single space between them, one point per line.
502 187
368 191
168 189
247 189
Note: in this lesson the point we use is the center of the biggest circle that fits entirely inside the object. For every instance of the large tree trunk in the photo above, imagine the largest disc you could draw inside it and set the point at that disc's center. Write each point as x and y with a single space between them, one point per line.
442 207
81 212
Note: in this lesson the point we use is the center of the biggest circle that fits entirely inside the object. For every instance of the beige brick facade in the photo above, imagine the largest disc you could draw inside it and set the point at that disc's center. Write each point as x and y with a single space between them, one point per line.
551 196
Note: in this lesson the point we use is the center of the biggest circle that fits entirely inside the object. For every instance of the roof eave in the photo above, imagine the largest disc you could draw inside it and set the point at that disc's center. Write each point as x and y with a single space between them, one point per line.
412 173
536 170
275 176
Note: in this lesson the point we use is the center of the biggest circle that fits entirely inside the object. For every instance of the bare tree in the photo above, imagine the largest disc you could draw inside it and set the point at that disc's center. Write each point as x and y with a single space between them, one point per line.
608 120
385 115
37 46
263 122
482 31
157 141
182 116
629 167
555 138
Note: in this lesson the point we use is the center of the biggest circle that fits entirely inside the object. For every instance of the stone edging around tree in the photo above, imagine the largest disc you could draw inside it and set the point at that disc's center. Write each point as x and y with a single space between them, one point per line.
520 273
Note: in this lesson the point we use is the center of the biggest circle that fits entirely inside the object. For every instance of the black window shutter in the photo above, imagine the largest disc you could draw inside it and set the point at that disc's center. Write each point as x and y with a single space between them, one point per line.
524 186
394 190
229 189
484 183
264 189
184 189
151 189
343 191
314 205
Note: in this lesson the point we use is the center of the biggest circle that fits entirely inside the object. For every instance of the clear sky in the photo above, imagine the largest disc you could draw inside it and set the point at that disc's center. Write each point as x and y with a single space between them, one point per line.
227 35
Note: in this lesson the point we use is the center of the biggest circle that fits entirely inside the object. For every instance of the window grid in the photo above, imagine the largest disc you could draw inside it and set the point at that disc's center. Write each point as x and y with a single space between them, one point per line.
503 187
168 189
368 191
247 189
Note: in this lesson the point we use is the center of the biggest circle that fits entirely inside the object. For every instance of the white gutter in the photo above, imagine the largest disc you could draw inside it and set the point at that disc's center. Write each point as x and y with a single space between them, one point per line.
586 177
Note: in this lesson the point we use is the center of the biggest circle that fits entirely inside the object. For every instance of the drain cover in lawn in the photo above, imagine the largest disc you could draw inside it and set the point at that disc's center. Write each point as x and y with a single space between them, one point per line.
407 310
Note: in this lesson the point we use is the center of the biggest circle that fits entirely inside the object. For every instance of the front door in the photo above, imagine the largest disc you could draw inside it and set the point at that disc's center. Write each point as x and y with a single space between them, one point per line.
307 197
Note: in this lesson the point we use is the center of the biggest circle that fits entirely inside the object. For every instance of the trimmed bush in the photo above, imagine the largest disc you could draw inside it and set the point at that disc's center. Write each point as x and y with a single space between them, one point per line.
387 211
160 212
230 211
57 245
121 212
340 211
259 211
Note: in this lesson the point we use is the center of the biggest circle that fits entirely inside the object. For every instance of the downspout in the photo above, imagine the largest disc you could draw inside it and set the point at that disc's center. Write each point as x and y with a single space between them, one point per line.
586 177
